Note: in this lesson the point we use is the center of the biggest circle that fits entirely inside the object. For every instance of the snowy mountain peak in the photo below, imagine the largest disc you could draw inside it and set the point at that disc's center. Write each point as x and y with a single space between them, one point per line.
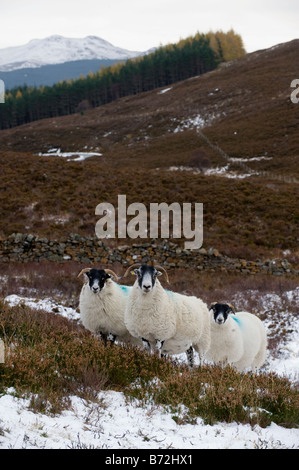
57 49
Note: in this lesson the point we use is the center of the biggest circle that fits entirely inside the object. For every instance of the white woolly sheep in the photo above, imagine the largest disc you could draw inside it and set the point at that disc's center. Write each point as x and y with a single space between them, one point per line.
238 339
166 320
102 305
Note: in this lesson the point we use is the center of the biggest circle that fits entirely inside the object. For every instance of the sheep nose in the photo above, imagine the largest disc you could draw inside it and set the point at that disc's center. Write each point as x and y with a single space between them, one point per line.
95 289
146 287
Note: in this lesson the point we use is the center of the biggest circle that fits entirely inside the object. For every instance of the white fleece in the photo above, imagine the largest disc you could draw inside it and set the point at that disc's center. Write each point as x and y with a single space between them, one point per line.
240 341
178 320
104 311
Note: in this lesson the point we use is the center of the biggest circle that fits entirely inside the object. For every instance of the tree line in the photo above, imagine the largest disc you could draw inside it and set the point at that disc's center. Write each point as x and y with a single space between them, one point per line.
166 65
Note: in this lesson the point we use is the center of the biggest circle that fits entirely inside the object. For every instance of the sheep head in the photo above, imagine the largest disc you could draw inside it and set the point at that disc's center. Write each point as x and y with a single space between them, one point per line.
97 278
220 312
146 275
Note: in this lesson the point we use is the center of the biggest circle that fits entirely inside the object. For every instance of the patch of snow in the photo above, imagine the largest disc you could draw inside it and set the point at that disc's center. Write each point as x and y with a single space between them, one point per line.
286 362
257 159
196 122
164 91
62 219
218 171
81 156
49 305
224 171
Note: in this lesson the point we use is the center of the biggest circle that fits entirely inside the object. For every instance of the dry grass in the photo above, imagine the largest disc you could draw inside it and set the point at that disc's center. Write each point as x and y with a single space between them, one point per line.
51 197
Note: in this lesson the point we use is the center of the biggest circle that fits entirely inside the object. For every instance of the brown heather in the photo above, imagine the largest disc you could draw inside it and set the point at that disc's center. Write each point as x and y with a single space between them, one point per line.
49 358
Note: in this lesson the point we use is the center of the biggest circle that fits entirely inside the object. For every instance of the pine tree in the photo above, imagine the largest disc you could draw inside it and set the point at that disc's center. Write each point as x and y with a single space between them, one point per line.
168 64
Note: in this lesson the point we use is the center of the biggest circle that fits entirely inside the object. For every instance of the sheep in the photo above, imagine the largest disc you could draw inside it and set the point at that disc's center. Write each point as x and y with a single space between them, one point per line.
102 304
238 339
168 321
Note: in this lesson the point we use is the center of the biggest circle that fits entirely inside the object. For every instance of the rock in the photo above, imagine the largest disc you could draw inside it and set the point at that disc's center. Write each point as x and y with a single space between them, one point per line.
123 248
28 247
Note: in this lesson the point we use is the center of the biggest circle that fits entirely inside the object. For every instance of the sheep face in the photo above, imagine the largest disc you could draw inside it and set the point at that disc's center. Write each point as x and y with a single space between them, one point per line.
146 277
220 312
97 279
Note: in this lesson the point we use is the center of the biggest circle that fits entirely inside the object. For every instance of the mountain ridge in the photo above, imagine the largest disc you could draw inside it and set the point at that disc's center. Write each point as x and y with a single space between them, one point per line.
57 49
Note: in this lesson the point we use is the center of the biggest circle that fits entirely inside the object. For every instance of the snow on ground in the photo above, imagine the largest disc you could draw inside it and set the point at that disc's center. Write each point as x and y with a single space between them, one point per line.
164 91
195 122
113 423
218 171
44 304
287 362
70 156
117 425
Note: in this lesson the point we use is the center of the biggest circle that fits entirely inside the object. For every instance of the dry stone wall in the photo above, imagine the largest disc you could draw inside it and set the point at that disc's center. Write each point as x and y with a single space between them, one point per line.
27 247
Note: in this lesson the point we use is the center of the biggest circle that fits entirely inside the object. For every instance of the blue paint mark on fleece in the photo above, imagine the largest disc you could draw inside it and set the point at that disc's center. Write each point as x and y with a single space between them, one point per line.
169 292
237 320
125 289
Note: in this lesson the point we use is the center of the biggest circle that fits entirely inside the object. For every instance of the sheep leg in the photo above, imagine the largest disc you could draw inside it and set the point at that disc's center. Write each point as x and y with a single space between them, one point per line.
146 344
103 337
111 337
190 356
159 346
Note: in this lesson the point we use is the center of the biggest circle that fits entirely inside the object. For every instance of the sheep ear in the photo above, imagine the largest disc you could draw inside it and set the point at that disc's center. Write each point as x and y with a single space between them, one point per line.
231 308
85 276
84 271
212 306
159 273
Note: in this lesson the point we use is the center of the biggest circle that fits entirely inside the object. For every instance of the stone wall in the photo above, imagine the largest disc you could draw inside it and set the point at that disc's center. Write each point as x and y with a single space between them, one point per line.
27 247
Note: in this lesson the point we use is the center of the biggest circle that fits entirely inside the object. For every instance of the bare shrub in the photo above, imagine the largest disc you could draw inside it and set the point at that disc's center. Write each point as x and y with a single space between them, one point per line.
200 160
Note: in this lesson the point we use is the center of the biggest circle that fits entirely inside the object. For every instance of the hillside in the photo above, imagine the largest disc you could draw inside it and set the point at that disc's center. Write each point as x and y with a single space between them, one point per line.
47 75
148 143
166 65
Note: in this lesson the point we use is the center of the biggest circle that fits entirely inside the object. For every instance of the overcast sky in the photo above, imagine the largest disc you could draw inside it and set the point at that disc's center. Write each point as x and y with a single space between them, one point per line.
139 25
